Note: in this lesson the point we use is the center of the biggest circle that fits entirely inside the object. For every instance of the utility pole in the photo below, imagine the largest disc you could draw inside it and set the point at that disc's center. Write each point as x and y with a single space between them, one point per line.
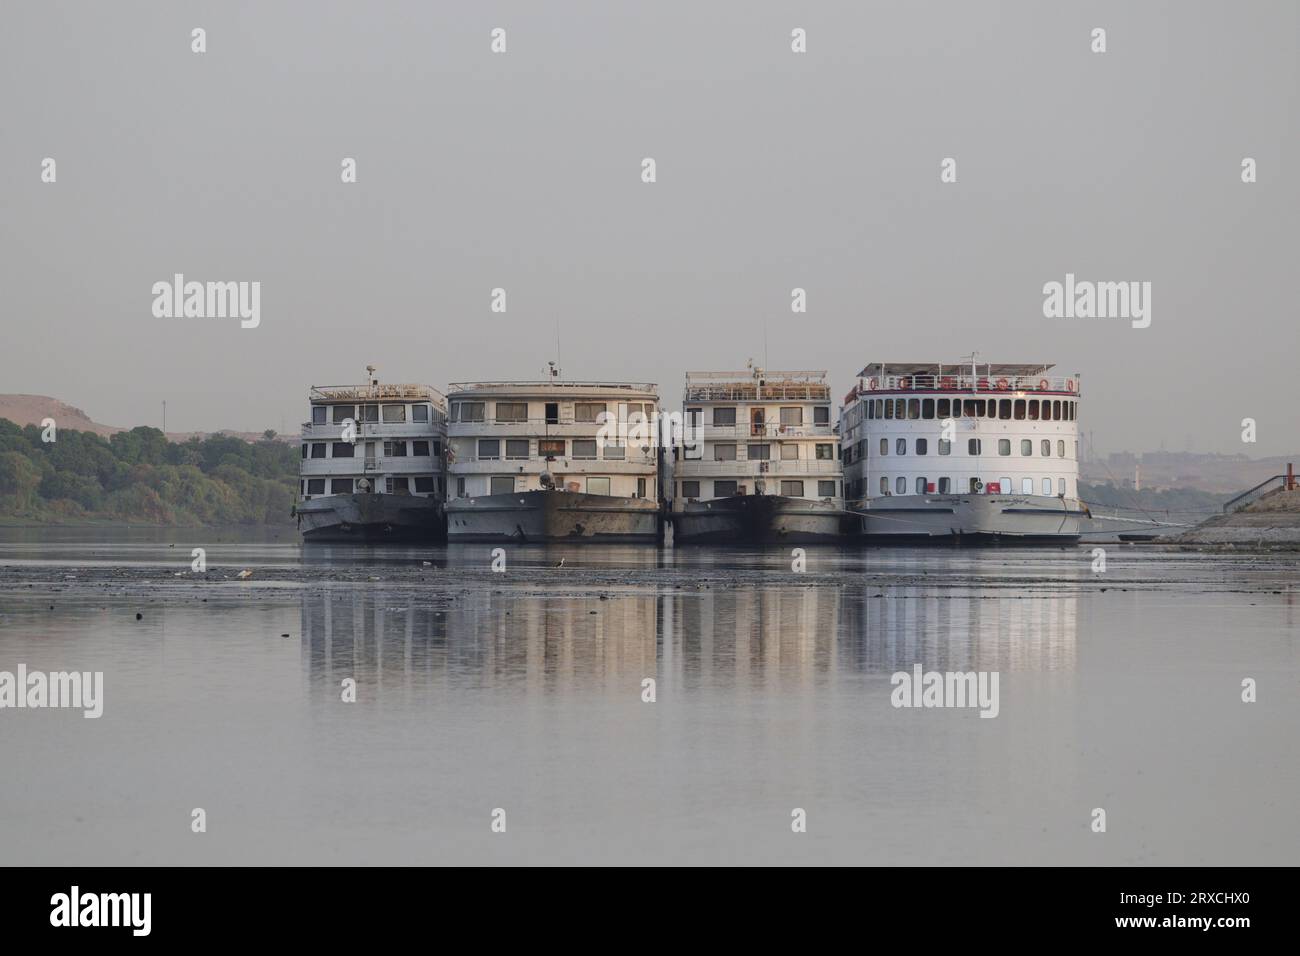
164 416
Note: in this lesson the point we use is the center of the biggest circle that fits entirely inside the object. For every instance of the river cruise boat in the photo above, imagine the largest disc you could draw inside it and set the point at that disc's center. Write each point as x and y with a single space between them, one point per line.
758 462
964 453
554 461
372 463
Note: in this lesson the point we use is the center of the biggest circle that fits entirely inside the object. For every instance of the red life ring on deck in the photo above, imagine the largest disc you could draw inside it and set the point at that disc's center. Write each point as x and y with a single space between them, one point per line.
982 383
1043 384
946 383
1069 384
1003 384
874 383
905 382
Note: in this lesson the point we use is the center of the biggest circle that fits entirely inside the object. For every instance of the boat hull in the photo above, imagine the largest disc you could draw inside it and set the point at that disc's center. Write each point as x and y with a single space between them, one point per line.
553 516
968 519
371 518
758 519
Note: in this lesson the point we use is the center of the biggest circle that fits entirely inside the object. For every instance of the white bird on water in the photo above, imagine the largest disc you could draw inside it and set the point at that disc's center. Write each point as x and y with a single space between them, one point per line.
560 563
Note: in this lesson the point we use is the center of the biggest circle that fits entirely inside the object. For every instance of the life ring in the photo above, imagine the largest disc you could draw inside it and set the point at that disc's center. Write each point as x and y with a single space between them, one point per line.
905 382
983 383
1003 384
946 383
873 384
1069 384
1043 384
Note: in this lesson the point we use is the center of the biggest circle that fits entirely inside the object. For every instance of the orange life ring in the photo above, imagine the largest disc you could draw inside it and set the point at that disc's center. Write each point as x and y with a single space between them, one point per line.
1043 384
874 383
1003 384
905 382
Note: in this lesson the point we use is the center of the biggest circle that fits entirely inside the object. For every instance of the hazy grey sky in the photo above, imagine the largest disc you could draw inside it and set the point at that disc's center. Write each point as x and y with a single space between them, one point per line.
775 170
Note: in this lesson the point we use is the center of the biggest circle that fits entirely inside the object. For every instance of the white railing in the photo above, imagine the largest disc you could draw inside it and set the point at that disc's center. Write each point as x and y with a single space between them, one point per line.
751 431
758 469
968 383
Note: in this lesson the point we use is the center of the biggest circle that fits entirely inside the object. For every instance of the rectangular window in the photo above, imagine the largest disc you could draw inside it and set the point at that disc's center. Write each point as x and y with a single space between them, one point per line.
945 446
318 449
304 451
591 411
913 408
826 489
945 486
460 487
690 489
318 413
584 448
1060 449
792 489
597 485
927 408
900 446
692 417
315 486
821 415
512 412
517 448
900 485
1018 412
758 452
889 409
550 447
792 417
437 449
922 446
825 452
419 413
424 485
420 449
884 446
1056 410
922 486
1047 448
340 486
724 416
342 413
884 485
469 411
1060 484
945 410
1026 486
501 485
968 408
1004 446
974 446
394 449
394 413
489 449
724 452
552 412
1026 447
370 413
614 452
343 449
1033 409
1047 486
1004 409
1004 485
640 487
724 489
789 451
879 407
398 486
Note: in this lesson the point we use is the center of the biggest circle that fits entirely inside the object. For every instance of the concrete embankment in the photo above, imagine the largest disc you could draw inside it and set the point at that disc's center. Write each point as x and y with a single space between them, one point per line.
1272 521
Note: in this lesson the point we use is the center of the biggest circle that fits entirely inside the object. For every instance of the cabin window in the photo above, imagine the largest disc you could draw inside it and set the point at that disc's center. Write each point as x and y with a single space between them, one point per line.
969 408
437 449
472 411
552 412
975 446
884 486
826 489
913 408
821 415
370 413
394 449
789 451
792 489
825 452
927 408
1004 446
945 446
318 449
614 452
690 489
1026 447
724 452
879 405
945 408
489 449
724 416
315 486
304 451
394 413
584 448
1060 483
424 485
724 489
597 485
1060 449
884 446
419 413
1047 487
460 487
1033 409
1047 448
1026 486
922 445
1073 410
591 412
342 413
921 486
1004 485
992 408
1018 410
758 452
900 408
1004 409
550 447
398 485
420 449
640 488
871 410
517 448
889 408
340 486
501 485
792 416
900 485
512 411
343 449
900 446
318 414
945 486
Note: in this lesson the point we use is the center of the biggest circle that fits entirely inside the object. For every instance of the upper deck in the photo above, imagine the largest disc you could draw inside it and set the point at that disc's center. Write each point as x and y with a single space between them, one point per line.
757 385
389 392
555 389
910 377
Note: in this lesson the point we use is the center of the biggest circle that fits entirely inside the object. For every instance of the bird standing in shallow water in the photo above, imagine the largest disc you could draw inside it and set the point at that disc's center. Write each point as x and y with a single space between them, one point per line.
560 563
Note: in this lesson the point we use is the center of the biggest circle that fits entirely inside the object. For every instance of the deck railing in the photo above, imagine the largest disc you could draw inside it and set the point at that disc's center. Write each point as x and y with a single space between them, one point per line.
967 383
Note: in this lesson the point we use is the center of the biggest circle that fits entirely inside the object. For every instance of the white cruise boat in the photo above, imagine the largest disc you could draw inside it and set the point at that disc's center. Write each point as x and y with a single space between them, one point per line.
553 461
759 461
372 463
963 452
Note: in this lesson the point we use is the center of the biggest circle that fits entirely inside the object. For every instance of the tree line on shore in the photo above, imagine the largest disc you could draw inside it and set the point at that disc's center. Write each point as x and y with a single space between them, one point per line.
139 475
